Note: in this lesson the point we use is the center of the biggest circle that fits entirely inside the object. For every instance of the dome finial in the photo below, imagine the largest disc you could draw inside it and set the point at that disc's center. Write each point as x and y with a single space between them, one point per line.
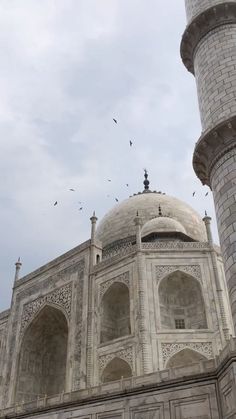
159 211
146 181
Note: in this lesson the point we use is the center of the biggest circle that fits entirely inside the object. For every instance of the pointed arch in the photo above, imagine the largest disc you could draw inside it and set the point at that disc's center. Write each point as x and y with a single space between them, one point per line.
185 357
43 355
116 369
115 312
181 302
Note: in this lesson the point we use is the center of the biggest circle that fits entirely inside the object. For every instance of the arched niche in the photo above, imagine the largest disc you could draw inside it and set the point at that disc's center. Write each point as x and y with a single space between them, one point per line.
43 355
181 302
115 370
115 313
185 357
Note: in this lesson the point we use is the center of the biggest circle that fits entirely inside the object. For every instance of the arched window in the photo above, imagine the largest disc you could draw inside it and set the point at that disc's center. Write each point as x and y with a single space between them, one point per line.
115 370
181 302
115 313
42 361
185 357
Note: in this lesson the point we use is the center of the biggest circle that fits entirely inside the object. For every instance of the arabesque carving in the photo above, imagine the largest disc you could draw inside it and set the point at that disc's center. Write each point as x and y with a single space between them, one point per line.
170 349
61 297
163 270
124 278
125 354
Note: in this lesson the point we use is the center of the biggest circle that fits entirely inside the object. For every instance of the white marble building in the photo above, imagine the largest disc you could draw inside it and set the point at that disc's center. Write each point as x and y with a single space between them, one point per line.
139 321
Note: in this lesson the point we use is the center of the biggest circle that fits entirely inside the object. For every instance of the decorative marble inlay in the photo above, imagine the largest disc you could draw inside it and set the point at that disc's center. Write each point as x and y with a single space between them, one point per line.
174 245
163 270
124 278
61 297
125 354
170 349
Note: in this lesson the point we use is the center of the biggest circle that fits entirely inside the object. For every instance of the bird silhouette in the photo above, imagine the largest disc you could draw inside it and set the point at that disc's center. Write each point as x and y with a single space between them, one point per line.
80 209
194 193
115 120
206 194
130 143
72 190
109 180
55 203
127 184
117 200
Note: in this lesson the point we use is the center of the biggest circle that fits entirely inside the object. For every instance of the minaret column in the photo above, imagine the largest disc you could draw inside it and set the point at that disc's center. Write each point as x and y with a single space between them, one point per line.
208 51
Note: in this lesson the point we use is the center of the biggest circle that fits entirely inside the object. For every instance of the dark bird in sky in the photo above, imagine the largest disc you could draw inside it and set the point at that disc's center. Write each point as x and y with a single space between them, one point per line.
206 193
80 209
72 190
55 203
130 143
117 200
194 193
109 180
115 120
127 184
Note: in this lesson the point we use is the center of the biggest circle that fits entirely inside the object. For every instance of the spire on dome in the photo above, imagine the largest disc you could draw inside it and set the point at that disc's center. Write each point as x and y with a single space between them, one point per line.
146 181
159 211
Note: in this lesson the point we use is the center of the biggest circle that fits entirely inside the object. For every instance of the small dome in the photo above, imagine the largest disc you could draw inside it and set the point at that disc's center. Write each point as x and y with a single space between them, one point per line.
162 225
118 224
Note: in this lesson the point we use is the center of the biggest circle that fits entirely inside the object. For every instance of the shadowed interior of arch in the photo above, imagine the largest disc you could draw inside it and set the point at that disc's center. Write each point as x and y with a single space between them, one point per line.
185 357
42 361
115 313
181 302
115 370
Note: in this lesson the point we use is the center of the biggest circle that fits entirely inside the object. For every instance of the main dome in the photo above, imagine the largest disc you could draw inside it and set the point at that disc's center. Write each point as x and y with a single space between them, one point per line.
118 224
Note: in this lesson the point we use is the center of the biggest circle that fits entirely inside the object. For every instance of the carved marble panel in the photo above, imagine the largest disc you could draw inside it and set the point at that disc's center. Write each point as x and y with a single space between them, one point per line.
197 407
170 349
60 297
149 412
164 270
124 278
125 354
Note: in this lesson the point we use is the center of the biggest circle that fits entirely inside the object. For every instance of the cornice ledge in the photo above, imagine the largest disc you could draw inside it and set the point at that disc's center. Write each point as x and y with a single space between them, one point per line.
220 14
212 146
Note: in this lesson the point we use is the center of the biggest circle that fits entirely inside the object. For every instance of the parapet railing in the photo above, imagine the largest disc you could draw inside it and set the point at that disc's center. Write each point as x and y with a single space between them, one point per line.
158 377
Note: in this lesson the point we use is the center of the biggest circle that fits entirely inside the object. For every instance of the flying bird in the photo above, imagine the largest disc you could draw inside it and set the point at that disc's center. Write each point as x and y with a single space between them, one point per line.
206 193
194 193
109 180
130 143
55 203
115 120
127 184
72 190
80 209
117 200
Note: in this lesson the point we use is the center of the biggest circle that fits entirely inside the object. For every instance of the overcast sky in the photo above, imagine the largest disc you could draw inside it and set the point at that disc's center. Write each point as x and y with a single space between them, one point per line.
68 67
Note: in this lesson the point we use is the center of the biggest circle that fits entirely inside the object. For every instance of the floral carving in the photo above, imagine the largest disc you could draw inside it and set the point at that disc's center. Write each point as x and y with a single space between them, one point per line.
125 354
170 349
175 245
124 278
61 297
163 270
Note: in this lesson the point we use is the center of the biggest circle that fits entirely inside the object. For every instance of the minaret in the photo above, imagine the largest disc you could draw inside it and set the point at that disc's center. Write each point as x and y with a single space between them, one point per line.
208 50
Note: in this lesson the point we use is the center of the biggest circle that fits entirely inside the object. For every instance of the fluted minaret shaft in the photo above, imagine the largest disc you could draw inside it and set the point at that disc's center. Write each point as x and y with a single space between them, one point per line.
208 50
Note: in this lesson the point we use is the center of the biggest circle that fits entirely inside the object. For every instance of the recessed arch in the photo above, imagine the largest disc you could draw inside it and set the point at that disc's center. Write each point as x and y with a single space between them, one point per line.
181 302
185 357
115 370
43 355
115 312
